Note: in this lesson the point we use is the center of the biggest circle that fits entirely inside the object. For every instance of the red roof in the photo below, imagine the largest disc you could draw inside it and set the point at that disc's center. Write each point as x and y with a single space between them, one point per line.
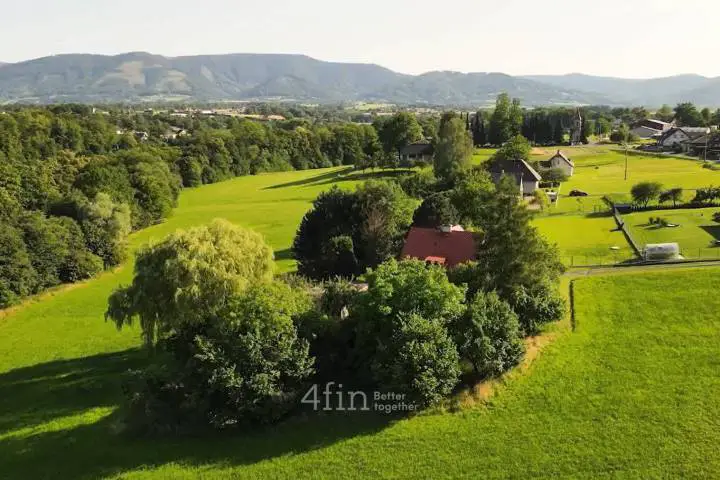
432 245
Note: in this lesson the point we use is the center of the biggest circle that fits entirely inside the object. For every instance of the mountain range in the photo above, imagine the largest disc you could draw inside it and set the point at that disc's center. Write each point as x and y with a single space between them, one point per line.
139 76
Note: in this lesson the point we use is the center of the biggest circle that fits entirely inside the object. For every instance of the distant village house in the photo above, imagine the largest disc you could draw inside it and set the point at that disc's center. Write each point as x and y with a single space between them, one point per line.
421 152
650 128
562 162
526 178
677 138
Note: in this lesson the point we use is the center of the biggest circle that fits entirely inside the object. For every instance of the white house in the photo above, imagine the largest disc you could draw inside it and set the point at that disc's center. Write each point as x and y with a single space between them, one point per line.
559 160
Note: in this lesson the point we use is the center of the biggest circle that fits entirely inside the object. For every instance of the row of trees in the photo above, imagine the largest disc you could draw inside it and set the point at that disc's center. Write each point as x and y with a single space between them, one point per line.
86 179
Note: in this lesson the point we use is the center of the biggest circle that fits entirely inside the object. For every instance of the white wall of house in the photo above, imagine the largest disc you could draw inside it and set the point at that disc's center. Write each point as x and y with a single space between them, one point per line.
677 136
558 162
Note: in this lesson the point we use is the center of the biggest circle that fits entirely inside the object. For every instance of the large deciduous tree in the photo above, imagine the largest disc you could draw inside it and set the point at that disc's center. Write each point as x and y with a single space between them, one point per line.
189 276
453 150
644 192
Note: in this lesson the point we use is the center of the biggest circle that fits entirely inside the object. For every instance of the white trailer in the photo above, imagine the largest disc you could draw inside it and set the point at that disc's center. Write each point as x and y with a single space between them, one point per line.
661 251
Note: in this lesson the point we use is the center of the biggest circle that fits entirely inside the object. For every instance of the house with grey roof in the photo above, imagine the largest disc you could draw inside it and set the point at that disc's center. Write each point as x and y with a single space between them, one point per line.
526 177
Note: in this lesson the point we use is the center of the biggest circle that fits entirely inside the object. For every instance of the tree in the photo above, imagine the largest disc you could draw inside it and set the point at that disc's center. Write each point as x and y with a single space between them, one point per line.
334 213
515 118
404 313
453 150
501 128
706 115
673 195
385 217
517 148
488 335
512 251
106 225
604 127
241 365
687 115
644 192
621 135
436 210
471 195
419 360
375 217
398 132
18 278
553 175
190 276
536 304
665 113
716 117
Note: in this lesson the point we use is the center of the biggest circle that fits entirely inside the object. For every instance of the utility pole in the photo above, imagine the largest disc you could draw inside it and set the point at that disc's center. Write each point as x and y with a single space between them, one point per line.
626 160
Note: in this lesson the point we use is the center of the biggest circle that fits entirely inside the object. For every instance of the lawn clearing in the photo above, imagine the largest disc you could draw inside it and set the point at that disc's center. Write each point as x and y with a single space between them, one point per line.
632 393
585 239
696 232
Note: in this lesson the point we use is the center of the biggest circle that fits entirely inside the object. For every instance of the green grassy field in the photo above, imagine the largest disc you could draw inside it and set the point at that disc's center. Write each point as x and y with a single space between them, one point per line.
585 240
696 232
631 393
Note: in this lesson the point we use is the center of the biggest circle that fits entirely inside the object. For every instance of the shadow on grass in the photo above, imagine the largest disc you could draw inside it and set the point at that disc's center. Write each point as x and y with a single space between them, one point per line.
361 177
40 394
310 180
284 254
713 230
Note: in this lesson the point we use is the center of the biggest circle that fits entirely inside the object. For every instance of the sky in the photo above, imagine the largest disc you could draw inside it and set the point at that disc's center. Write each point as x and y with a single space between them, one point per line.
623 38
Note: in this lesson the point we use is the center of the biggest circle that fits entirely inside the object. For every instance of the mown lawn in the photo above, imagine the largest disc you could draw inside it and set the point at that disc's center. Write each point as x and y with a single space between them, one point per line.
633 392
696 232
604 172
585 239
272 204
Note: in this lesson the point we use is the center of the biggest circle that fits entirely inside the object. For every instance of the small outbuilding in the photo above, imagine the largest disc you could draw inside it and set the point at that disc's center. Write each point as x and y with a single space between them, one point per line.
414 153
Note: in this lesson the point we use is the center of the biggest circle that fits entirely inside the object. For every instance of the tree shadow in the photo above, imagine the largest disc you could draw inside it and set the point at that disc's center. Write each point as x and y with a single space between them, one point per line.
361 177
714 231
41 395
314 179
284 254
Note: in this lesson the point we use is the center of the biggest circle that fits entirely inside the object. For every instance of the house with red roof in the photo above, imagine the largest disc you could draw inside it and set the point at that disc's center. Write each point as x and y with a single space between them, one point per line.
448 246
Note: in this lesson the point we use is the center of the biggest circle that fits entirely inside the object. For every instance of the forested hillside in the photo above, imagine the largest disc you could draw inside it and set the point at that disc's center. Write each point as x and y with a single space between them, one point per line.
74 184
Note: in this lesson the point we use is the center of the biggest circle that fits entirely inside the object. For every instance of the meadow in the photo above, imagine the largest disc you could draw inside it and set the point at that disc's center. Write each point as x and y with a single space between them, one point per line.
583 234
624 394
696 231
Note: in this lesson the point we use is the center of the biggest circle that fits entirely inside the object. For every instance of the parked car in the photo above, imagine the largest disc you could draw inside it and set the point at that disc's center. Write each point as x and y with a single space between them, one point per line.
578 193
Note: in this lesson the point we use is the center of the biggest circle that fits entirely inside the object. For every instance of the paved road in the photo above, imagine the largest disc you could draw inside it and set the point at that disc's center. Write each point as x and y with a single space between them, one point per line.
587 272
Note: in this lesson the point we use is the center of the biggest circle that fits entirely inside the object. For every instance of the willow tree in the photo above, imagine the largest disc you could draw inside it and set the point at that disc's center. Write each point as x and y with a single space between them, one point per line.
189 277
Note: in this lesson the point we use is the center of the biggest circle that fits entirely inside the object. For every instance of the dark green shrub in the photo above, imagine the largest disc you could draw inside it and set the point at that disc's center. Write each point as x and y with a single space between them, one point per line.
488 335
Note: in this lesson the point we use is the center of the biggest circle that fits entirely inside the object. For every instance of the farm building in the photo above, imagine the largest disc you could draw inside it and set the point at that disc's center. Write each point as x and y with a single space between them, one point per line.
559 160
709 143
678 137
447 245
526 178
417 153
650 128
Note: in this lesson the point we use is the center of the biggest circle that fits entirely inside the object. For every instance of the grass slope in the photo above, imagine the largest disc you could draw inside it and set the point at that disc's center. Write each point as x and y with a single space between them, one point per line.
632 393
